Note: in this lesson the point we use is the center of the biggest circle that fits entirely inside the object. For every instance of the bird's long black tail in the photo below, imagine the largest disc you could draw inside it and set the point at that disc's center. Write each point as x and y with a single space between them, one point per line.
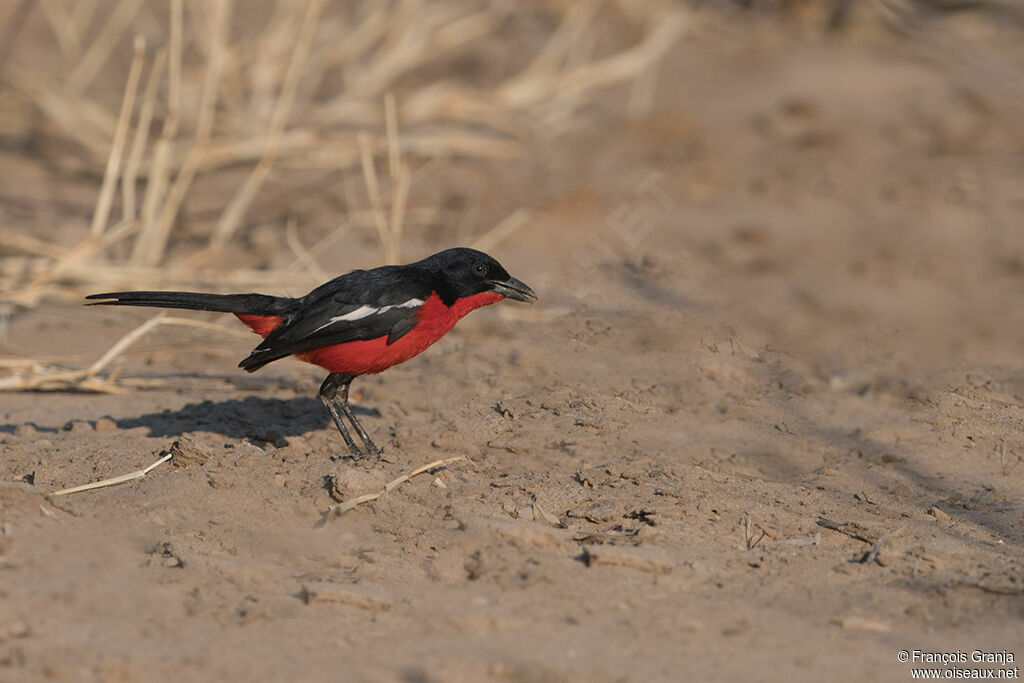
254 304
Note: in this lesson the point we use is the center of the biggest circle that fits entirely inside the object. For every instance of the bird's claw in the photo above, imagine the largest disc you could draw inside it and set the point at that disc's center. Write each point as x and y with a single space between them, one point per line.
359 454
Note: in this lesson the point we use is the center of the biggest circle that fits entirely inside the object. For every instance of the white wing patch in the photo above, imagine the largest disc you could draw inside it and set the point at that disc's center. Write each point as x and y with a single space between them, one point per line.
361 312
367 311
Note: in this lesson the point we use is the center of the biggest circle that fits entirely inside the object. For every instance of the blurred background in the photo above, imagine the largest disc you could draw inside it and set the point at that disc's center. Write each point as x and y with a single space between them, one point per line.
224 143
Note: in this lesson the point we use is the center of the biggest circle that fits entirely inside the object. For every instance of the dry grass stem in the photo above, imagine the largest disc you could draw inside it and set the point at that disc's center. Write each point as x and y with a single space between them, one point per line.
82 12
302 254
573 83
391 126
399 199
373 193
466 29
236 332
78 117
83 250
106 198
642 93
131 167
363 37
406 41
15 20
35 374
400 180
86 277
174 65
351 504
63 27
123 343
391 101
555 51
99 51
232 216
30 245
156 235
137 474
159 171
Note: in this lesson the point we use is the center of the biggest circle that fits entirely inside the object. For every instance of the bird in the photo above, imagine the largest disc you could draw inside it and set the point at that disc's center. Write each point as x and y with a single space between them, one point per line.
360 323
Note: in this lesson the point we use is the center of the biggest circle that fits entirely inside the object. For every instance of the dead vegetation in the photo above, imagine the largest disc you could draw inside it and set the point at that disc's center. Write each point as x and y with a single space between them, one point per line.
313 91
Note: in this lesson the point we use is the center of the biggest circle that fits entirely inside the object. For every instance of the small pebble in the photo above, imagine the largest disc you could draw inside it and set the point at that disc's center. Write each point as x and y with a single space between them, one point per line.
218 482
248 457
187 451
275 438
77 427
25 430
289 454
106 424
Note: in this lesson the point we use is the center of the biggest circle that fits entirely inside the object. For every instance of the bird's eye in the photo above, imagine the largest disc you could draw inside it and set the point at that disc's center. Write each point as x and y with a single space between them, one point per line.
480 269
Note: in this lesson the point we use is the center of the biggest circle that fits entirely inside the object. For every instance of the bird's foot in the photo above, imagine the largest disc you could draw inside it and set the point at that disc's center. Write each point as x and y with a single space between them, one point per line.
371 452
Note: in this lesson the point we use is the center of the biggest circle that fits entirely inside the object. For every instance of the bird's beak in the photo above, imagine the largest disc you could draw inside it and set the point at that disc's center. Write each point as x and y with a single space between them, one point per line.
514 289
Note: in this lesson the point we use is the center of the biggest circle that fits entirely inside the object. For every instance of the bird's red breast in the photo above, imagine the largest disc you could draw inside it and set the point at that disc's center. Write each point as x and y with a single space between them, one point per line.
371 356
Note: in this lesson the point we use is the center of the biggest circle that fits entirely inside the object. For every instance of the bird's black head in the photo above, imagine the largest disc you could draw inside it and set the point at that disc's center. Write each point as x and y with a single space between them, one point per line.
464 272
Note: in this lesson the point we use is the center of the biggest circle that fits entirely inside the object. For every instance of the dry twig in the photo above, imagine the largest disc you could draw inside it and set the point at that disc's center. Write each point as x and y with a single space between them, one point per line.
851 529
137 474
39 375
351 504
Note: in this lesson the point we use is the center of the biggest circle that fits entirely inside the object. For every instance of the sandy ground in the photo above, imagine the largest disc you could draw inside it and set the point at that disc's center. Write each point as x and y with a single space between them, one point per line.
764 424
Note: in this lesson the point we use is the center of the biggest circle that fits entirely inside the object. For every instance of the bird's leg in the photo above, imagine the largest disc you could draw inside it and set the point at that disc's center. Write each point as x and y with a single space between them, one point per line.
328 394
371 448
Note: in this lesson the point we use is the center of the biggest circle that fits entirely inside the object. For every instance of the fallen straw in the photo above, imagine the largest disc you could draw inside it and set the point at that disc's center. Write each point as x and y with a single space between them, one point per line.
37 375
122 344
84 378
344 507
137 474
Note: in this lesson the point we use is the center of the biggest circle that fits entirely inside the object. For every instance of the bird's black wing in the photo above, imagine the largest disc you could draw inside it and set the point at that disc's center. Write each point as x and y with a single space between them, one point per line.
361 305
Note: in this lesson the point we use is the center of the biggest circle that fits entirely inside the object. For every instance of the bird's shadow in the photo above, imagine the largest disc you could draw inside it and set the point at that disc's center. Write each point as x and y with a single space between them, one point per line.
250 417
